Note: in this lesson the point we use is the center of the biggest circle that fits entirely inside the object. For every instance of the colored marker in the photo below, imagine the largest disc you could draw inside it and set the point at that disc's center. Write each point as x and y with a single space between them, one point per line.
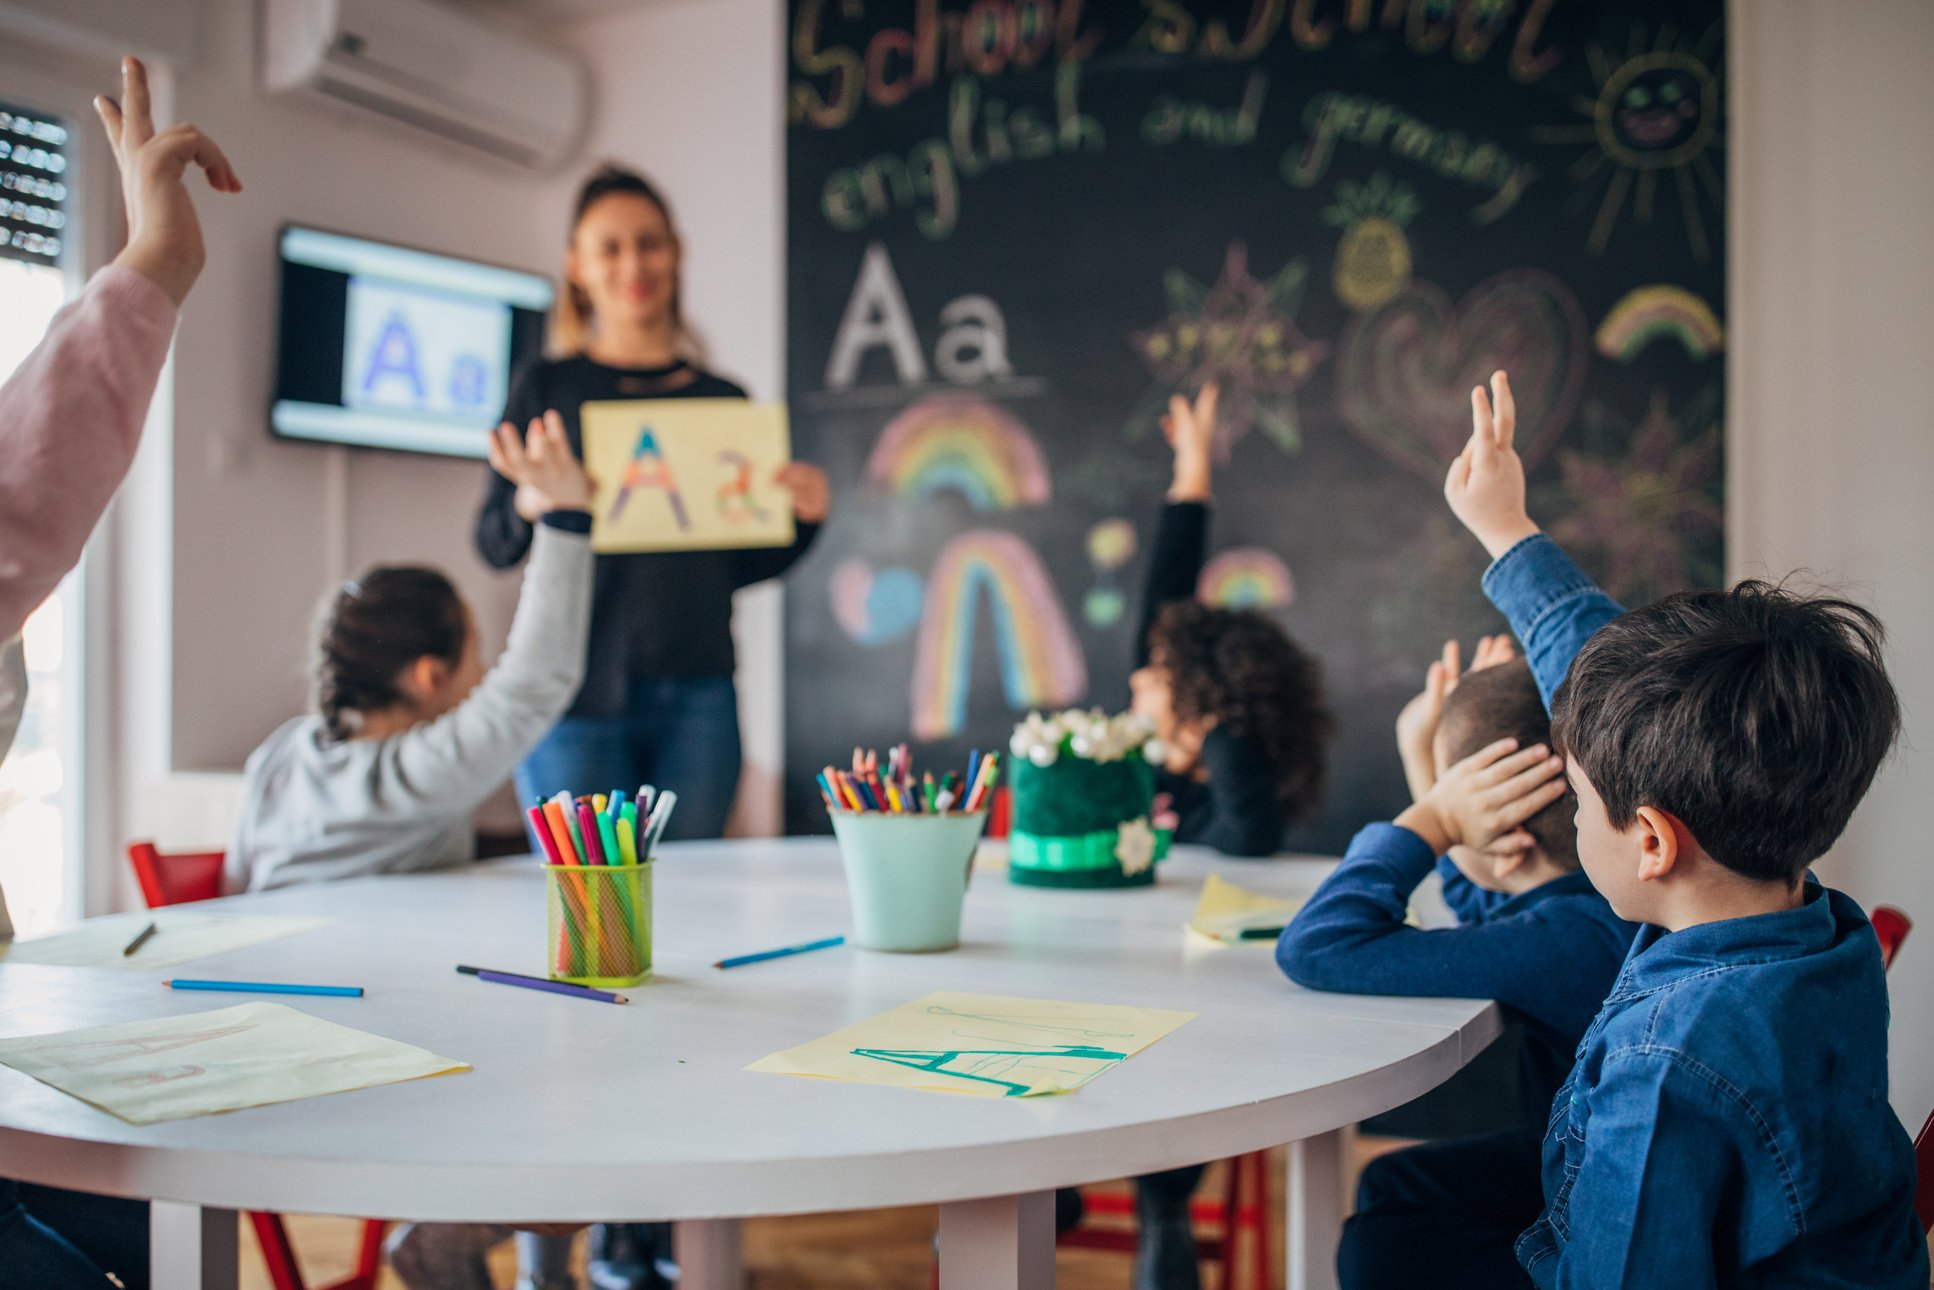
140 939
561 834
608 840
588 827
661 815
541 983
541 826
1261 933
266 987
787 952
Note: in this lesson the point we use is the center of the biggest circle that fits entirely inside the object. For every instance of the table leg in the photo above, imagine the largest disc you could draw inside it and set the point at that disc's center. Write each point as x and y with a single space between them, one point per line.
711 1255
192 1248
1002 1243
1315 1208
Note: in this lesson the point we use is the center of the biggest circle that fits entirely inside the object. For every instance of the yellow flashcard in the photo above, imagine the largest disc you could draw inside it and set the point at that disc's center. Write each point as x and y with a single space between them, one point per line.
982 1045
1226 911
687 474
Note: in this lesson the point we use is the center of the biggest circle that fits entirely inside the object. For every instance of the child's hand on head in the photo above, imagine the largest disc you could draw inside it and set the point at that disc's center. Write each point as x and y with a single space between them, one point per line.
1417 723
1481 801
1485 486
547 473
164 236
1190 431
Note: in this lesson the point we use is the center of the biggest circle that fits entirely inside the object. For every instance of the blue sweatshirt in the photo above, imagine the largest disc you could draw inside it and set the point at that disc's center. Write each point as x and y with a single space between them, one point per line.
1548 954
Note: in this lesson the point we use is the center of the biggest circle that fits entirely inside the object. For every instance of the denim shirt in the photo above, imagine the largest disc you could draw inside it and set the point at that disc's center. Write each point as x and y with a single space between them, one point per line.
1727 1123
1551 605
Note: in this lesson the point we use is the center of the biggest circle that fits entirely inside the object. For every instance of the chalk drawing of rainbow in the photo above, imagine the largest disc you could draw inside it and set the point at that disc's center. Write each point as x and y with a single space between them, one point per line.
1660 312
961 443
1041 663
1247 577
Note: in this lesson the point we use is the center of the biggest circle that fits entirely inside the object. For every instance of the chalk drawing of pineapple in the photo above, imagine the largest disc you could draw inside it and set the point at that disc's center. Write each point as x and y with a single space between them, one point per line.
1373 256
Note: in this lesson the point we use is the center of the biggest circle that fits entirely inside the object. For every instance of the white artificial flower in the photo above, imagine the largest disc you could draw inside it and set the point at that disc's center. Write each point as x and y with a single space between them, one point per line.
1135 846
1043 755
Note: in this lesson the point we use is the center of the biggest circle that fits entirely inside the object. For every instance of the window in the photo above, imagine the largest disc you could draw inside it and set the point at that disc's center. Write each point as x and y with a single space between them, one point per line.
37 853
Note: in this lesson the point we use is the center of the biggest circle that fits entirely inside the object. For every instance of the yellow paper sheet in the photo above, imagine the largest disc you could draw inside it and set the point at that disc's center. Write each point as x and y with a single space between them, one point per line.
181 933
687 474
200 1063
1226 910
982 1045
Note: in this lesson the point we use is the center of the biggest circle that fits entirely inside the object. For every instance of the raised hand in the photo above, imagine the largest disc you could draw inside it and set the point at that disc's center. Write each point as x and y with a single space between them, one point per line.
1482 800
1485 487
547 473
1417 723
164 236
1190 431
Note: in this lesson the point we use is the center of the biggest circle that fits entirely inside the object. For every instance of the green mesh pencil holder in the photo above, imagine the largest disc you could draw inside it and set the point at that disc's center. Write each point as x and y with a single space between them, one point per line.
600 923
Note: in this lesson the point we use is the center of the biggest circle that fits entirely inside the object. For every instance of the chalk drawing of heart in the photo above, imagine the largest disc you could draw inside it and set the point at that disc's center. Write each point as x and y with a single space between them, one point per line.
1404 376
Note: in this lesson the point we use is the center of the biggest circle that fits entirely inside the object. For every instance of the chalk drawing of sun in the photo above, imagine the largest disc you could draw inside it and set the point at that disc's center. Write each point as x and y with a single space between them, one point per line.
1655 118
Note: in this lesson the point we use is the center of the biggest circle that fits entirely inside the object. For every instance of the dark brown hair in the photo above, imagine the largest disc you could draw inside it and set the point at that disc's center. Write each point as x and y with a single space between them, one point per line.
572 317
1757 717
372 629
1502 702
1241 671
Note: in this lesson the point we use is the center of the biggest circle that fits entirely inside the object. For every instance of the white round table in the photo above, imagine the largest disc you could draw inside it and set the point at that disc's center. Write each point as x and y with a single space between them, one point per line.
584 1111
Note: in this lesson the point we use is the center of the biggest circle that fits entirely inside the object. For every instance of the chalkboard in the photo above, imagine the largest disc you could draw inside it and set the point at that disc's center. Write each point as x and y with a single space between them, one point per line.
1014 227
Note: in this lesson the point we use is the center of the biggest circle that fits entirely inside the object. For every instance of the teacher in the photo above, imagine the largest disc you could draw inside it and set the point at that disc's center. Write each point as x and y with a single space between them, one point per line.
658 704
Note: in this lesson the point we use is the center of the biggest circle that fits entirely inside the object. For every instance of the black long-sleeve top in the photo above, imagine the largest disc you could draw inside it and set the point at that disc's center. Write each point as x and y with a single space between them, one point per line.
659 614
1230 802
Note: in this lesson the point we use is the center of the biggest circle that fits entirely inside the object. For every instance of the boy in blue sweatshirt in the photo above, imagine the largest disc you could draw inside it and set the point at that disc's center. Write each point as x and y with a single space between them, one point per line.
1726 1122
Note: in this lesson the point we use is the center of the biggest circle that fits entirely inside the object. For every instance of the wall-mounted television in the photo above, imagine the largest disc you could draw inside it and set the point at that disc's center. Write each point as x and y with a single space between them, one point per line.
386 347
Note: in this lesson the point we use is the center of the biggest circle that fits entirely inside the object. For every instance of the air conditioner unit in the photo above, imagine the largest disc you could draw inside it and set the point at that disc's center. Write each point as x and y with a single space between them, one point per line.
432 68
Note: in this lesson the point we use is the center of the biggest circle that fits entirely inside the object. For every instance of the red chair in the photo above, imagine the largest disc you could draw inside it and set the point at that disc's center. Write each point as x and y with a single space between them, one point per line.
1240 1211
190 876
1891 926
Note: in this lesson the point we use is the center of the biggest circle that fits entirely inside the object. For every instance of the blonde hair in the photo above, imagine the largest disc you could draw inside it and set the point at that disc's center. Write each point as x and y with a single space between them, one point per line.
572 317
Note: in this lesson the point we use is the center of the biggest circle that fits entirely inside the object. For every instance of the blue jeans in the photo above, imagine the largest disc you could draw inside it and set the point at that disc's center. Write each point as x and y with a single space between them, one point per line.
33 1254
676 733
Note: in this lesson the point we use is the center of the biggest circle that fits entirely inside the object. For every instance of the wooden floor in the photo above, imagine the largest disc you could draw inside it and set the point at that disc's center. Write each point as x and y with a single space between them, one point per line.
872 1250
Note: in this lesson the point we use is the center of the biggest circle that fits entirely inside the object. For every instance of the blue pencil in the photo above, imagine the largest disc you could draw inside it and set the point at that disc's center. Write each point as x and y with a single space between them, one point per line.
763 955
266 987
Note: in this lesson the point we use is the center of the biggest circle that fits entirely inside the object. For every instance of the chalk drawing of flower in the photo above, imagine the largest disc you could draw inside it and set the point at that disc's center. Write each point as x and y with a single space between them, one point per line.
1240 333
1135 846
1647 522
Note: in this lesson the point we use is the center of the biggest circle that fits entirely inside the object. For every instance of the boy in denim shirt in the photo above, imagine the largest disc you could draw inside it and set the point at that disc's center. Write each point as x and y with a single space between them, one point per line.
1726 1123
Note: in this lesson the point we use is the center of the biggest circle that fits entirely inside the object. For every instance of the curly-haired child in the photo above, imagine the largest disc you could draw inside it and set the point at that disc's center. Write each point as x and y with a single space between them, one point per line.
1238 703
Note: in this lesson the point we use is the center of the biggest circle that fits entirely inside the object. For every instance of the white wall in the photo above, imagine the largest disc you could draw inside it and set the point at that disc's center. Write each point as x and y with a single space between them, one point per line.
263 527
1831 387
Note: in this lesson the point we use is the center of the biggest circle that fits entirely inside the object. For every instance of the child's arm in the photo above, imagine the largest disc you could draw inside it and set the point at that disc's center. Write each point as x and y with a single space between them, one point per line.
1656 1166
70 416
1351 936
455 761
511 510
1182 538
1552 606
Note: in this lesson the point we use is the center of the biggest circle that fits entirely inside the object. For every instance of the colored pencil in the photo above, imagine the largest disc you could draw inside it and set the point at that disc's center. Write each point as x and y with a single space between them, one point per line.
540 983
140 939
786 952
266 987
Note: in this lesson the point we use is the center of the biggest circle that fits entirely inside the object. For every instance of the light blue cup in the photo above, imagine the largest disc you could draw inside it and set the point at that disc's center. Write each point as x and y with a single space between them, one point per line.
907 876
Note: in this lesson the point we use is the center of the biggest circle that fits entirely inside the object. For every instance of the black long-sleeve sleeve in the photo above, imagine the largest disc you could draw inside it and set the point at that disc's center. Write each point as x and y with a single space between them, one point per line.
1174 565
760 563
